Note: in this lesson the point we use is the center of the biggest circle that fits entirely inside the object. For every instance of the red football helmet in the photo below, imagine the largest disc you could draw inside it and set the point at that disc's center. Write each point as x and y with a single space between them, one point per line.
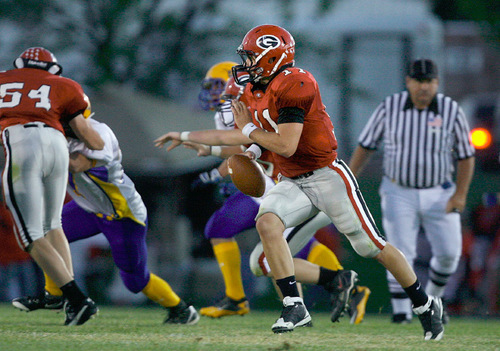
264 50
233 90
40 58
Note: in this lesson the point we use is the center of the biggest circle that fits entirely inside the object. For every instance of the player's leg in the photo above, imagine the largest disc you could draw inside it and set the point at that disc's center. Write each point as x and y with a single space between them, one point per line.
31 158
322 256
79 308
284 206
236 215
351 216
127 240
401 222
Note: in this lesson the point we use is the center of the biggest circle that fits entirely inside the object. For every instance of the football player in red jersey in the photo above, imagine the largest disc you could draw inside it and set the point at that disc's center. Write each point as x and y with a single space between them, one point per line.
238 212
34 103
281 110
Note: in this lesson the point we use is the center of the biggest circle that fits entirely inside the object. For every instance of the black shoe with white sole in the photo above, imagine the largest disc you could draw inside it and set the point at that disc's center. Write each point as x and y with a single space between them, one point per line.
77 315
46 302
294 314
431 318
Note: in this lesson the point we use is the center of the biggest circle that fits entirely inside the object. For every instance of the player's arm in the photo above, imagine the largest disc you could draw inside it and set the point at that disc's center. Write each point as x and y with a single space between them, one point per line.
207 137
284 142
359 159
86 133
80 163
207 150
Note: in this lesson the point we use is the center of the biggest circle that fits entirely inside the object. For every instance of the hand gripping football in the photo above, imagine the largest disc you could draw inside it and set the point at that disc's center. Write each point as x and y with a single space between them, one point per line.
247 175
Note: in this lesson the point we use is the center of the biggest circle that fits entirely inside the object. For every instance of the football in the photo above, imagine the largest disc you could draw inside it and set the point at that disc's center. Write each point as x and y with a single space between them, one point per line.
247 175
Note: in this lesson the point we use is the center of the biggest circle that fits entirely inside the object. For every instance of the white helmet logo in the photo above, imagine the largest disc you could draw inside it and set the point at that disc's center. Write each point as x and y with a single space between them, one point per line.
268 41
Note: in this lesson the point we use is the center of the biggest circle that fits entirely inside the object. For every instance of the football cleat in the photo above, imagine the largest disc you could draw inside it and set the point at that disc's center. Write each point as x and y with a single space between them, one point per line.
47 302
227 307
77 315
430 316
294 314
340 289
357 305
182 314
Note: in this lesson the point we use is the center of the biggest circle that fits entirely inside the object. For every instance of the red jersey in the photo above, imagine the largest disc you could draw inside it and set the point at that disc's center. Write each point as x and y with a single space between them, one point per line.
31 94
295 87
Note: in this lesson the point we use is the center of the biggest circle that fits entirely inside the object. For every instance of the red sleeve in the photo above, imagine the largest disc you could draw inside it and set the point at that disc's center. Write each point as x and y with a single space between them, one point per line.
297 90
76 103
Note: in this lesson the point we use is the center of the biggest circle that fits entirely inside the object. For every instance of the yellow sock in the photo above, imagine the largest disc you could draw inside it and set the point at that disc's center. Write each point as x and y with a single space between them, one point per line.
160 292
324 257
51 287
229 258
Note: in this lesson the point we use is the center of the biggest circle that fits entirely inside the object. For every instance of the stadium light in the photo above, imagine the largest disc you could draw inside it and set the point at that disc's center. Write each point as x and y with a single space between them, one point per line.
480 138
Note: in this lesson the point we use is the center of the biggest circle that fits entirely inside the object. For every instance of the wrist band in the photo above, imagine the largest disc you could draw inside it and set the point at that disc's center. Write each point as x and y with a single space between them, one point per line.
248 129
255 149
185 136
215 150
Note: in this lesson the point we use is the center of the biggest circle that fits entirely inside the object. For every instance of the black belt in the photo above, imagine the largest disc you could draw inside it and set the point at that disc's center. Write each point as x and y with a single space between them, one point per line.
303 175
35 125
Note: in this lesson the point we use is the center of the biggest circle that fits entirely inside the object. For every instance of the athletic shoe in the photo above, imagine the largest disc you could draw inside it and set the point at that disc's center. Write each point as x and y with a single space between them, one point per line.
357 305
431 319
77 315
340 289
400 318
47 302
227 307
294 314
183 314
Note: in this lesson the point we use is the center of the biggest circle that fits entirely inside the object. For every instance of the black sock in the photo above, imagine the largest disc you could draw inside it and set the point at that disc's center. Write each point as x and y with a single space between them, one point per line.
326 276
72 292
416 294
288 286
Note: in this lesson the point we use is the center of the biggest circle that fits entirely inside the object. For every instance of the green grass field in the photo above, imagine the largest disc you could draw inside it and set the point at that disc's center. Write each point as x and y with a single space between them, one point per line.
141 328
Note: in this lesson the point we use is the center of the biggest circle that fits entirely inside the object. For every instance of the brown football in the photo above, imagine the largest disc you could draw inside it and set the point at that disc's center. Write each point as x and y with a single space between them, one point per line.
247 175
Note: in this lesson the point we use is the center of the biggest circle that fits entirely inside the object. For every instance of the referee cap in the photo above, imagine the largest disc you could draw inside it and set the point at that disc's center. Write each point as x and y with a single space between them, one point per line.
423 69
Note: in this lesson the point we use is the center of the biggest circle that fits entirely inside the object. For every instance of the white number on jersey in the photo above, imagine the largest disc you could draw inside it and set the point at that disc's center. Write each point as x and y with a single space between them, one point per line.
41 94
267 117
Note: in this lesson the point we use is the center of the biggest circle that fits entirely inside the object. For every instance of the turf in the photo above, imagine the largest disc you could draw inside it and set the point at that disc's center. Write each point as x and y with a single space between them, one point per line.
141 328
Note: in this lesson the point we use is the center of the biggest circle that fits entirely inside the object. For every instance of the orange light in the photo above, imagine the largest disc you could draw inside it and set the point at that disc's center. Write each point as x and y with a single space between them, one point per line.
480 138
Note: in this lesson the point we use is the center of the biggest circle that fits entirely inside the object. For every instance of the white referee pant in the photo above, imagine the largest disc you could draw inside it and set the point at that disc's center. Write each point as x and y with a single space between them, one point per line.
405 212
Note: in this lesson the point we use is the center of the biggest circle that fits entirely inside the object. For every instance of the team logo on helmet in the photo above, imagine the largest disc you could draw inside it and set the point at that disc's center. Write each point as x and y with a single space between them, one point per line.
268 41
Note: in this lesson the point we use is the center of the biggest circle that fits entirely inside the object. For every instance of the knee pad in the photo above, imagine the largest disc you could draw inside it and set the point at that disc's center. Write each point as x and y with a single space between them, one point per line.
445 264
362 244
256 258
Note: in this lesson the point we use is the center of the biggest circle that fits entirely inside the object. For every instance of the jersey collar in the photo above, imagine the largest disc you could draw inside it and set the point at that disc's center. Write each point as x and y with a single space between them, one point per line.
432 107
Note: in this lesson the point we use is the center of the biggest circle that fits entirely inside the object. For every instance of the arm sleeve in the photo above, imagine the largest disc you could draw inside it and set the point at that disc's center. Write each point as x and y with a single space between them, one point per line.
76 103
463 146
295 94
374 130
103 156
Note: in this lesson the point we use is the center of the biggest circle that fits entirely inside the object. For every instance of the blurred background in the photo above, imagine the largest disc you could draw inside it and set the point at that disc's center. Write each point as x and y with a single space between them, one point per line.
141 63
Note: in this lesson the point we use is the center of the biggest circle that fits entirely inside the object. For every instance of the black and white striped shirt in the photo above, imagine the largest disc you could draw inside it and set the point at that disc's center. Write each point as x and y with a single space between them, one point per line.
419 145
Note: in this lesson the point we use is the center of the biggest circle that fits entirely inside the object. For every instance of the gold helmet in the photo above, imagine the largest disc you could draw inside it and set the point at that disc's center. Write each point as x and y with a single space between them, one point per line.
213 84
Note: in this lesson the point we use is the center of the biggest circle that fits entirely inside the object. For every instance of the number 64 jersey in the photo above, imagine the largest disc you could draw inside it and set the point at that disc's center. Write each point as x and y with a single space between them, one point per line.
30 94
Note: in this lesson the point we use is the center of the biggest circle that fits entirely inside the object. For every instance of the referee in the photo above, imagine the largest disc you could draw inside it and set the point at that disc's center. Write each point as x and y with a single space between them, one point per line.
423 133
